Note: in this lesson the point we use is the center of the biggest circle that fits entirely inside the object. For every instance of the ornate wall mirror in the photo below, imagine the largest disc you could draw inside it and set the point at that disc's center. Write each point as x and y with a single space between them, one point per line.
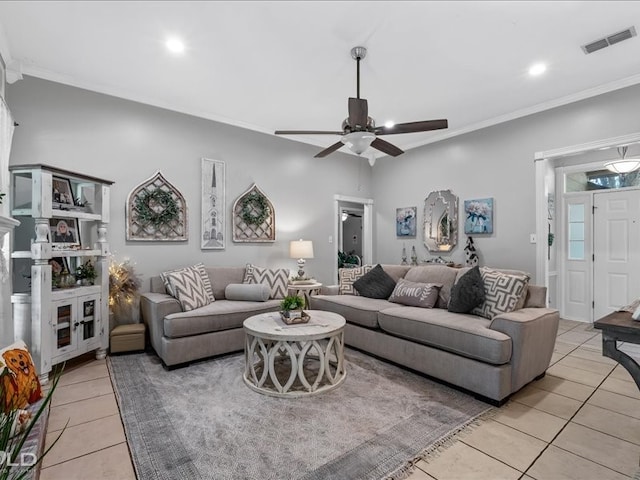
440 221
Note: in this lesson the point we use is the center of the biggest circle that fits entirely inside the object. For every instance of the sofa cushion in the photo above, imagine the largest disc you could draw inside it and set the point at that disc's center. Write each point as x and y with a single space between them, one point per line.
536 297
277 279
503 292
423 295
346 277
460 333
354 308
440 274
217 316
247 292
467 293
396 271
376 283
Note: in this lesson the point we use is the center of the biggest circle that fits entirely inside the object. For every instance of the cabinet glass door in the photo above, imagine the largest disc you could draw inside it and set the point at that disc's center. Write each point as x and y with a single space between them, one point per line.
88 318
64 317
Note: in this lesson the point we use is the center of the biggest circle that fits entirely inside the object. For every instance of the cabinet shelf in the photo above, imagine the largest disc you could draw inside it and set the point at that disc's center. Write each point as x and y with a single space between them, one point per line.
59 253
27 212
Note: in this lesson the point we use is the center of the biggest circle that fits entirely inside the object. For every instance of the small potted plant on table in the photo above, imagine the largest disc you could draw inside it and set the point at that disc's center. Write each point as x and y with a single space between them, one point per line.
291 310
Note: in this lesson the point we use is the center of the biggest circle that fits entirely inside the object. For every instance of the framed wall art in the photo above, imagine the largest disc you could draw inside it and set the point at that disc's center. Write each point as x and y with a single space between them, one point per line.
478 216
156 211
212 234
406 221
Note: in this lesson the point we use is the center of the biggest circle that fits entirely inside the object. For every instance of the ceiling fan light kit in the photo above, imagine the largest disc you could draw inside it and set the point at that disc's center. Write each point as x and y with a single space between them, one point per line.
359 131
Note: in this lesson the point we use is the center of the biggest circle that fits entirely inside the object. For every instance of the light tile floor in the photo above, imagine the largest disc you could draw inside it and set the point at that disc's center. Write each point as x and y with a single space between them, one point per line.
581 421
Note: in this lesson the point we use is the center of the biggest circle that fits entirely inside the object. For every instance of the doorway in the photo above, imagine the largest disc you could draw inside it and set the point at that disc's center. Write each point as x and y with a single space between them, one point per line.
364 241
351 236
599 254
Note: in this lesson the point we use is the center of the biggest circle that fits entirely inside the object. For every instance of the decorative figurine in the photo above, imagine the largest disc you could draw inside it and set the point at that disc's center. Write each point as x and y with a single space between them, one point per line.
404 256
470 253
414 256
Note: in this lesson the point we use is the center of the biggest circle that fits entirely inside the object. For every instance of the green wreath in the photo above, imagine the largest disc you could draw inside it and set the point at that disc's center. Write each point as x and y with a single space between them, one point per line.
147 215
254 202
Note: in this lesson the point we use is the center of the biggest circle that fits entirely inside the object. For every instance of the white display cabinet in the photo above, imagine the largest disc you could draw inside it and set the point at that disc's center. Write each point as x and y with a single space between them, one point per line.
63 220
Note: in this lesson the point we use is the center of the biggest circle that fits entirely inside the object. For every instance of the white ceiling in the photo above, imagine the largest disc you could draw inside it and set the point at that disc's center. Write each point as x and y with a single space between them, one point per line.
287 65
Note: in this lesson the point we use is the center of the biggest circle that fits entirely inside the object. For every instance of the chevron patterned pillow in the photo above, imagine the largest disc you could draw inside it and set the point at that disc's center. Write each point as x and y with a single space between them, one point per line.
189 288
502 292
199 268
277 279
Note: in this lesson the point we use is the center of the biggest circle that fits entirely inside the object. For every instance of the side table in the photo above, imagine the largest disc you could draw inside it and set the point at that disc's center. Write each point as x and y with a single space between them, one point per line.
304 290
620 327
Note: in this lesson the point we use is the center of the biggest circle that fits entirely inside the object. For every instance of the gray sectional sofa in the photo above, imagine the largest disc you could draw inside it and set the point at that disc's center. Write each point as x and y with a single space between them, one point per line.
181 337
491 358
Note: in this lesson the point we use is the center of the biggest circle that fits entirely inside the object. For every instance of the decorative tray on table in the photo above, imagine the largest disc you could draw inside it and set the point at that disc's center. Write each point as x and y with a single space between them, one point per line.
291 317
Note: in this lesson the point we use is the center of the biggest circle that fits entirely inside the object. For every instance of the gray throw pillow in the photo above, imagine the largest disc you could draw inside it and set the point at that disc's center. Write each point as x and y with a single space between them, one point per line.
247 292
467 293
416 294
375 284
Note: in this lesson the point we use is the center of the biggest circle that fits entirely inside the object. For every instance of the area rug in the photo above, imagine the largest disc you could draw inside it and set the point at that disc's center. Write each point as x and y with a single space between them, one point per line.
203 422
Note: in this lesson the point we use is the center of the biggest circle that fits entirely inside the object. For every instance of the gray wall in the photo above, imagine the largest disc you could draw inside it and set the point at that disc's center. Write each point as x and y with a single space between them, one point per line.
494 162
127 142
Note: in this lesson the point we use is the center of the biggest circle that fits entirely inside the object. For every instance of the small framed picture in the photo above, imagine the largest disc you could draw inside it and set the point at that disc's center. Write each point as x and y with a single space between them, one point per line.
64 233
62 193
406 221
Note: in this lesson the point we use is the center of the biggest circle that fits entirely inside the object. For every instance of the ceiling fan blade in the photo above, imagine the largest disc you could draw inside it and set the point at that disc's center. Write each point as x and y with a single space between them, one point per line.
306 132
358 113
329 150
413 127
386 147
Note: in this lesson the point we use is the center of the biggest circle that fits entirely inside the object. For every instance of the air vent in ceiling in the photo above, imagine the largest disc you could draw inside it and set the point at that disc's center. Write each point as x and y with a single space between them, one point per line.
610 40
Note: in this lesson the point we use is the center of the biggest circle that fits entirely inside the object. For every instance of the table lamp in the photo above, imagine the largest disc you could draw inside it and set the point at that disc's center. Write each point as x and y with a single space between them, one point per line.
301 249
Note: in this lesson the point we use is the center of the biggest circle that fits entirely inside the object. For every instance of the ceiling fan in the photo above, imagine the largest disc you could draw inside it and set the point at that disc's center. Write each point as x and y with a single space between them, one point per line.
359 130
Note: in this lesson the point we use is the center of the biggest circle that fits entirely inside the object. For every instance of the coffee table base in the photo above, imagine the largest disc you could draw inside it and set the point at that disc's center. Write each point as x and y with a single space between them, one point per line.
269 361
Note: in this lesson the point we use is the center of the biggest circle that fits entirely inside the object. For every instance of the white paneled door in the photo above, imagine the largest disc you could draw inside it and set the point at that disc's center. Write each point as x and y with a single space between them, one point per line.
576 294
616 249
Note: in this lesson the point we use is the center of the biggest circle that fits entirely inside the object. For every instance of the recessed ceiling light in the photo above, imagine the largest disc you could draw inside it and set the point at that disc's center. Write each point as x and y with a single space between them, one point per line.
389 124
537 69
175 45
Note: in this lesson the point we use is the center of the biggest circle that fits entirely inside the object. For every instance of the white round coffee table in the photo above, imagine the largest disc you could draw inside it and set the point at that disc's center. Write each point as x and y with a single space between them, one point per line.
294 360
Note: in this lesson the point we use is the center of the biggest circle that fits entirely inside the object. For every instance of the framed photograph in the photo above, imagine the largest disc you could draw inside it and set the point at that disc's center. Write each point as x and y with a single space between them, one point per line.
478 216
213 233
61 193
406 221
64 233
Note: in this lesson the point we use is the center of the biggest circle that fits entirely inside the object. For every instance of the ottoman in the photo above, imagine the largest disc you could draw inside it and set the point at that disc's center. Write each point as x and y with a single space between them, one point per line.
127 338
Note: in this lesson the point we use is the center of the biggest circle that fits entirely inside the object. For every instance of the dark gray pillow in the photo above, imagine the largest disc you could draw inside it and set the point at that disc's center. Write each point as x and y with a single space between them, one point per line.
375 284
468 292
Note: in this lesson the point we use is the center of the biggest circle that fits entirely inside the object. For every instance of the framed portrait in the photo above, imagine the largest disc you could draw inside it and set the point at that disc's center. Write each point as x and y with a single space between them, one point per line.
213 235
478 216
61 193
64 233
406 221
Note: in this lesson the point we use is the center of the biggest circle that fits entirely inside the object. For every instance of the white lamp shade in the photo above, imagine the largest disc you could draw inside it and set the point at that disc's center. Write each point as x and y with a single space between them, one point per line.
301 249
358 142
623 166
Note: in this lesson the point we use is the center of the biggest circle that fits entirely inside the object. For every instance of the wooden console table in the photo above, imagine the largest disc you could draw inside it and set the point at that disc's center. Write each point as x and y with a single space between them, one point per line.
620 327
